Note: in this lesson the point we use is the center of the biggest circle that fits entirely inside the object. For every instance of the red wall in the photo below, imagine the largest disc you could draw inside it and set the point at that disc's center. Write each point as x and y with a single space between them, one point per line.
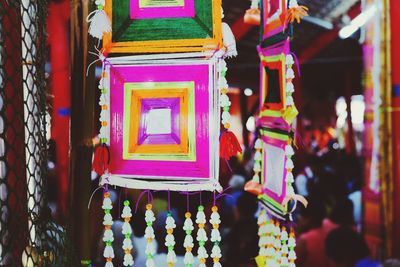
395 59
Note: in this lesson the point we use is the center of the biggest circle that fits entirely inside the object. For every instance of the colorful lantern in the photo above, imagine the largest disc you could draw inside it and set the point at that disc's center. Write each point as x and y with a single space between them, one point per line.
161 122
161 113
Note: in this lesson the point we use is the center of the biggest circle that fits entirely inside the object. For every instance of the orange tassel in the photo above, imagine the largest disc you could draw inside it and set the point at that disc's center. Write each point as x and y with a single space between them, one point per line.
253 188
229 145
101 159
296 14
252 16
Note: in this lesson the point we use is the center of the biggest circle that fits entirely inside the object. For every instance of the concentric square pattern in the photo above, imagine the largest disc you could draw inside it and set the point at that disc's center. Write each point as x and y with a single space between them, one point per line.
161 120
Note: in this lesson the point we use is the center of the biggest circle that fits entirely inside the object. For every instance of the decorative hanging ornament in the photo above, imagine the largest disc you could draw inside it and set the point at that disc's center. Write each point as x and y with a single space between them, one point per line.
292 245
254 185
149 235
284 248
188 243
99 23
127 232
228 143
215 221
277 244
201 236
229 41
101 159
108 236
170 240
263 238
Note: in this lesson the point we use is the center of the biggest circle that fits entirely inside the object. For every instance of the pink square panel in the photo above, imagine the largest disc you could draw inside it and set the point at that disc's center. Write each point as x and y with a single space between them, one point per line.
200 167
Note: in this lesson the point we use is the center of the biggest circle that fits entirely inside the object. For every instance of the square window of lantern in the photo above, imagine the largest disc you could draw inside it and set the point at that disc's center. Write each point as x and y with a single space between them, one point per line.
274 169
273 82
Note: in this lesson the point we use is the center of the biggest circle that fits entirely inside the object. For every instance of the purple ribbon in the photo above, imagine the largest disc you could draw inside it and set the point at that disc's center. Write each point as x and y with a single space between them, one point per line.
297 62
149 198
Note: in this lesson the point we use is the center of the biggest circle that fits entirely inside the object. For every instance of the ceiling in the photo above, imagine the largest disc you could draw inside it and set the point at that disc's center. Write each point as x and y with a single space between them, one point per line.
329 58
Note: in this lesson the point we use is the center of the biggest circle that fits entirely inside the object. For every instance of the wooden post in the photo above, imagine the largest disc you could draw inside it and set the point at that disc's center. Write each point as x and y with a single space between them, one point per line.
83 101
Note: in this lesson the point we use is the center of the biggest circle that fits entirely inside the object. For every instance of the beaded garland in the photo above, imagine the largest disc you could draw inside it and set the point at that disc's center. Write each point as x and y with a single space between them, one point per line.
215 237
292 245
188 243
127 232
170 240
224 99
108 236
284 247
149 235
201 236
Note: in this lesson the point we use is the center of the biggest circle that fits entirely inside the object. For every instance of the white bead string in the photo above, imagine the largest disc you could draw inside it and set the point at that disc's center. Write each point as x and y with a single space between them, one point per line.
149 235
215 221
108 237
201 236
127 232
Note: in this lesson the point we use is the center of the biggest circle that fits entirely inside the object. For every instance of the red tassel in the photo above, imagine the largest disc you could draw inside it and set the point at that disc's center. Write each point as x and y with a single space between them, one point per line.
101 159
228 145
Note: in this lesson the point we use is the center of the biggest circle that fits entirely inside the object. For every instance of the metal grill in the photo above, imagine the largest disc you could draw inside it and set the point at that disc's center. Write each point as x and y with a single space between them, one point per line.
28 235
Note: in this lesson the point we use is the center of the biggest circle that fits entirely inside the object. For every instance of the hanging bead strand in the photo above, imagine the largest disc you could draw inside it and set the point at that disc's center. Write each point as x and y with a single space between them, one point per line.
104 103
270 241
201 236
263 235
289 61
229 145
254 186
277 244
188 242
108 237
215 221
284 248
127 232
292 245
170 240
149 235
289 151
289 179
257 161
